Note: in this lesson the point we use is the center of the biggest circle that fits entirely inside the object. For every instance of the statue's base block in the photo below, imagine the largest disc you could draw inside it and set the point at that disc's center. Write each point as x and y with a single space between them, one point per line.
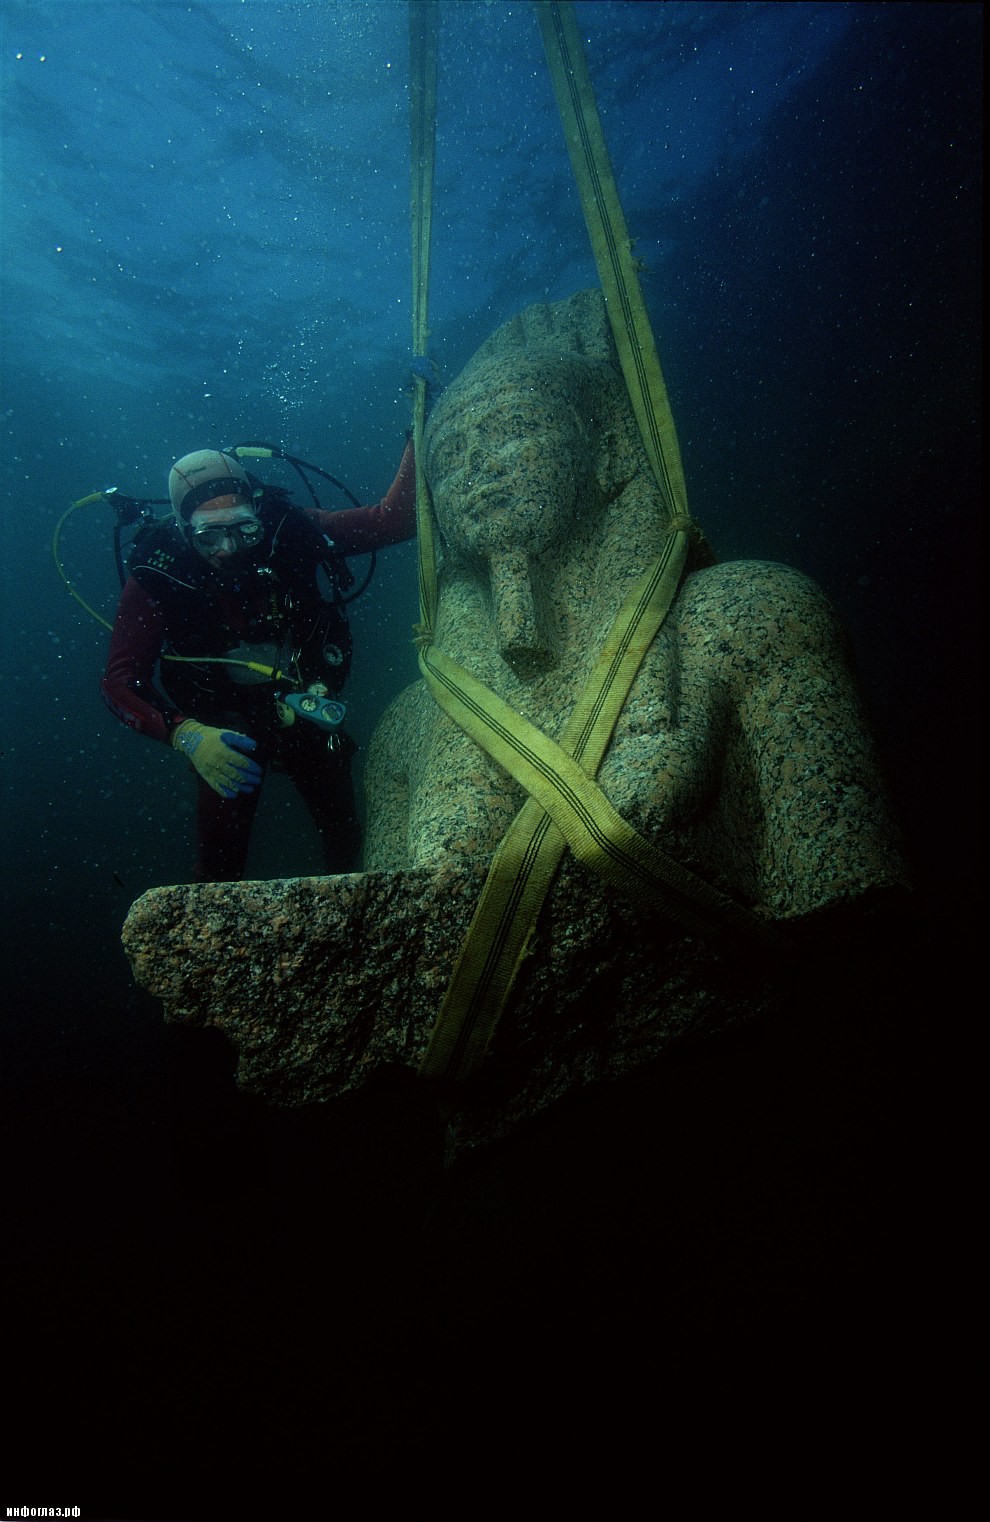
325 983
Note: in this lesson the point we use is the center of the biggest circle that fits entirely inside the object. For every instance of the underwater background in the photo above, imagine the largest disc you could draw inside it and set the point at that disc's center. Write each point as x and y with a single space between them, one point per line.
205 241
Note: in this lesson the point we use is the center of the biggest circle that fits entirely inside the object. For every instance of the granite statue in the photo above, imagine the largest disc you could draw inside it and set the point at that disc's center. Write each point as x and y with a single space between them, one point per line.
743 751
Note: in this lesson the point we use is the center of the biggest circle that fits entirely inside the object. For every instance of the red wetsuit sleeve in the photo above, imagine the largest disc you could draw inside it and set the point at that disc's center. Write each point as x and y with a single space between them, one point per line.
358 530
128 681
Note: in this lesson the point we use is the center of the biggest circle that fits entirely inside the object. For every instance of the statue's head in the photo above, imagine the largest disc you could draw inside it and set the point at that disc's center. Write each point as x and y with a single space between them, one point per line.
526 446
509 448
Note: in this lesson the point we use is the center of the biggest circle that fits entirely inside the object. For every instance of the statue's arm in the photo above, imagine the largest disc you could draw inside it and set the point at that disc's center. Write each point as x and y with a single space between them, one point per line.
803 775
387 787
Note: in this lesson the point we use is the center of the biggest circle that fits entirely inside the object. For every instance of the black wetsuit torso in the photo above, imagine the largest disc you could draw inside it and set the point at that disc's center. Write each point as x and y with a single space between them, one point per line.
282 608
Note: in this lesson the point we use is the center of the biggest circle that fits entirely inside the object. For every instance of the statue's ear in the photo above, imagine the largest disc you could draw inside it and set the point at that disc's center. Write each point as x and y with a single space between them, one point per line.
619 453
606 412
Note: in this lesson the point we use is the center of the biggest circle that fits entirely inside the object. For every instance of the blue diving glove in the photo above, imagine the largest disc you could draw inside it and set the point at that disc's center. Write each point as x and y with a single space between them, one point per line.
220 756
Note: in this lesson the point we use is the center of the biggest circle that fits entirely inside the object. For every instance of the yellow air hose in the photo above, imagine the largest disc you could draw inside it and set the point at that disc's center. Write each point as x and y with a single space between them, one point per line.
197 660
96 496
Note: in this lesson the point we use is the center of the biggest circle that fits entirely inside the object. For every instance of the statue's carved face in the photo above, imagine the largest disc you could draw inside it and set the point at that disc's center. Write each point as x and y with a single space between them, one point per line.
505 474
506 463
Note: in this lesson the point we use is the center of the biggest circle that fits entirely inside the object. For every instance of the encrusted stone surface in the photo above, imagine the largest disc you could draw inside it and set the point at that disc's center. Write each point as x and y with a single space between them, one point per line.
742 752
318 981
321 983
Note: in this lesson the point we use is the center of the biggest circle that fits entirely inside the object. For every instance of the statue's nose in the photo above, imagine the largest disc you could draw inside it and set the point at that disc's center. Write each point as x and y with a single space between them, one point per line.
525 635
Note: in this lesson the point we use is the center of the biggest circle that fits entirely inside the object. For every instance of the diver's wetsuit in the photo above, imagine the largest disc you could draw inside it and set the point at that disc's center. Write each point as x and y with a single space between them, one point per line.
271 610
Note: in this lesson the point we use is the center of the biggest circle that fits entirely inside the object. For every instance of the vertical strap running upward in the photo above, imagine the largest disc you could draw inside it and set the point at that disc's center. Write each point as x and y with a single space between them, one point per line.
612 249
566 808
422 122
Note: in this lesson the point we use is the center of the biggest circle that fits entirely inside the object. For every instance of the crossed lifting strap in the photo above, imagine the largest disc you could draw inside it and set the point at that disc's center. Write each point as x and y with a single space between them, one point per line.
566 807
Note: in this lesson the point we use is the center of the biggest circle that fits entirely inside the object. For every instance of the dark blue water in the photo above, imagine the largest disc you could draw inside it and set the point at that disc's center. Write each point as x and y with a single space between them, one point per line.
205 239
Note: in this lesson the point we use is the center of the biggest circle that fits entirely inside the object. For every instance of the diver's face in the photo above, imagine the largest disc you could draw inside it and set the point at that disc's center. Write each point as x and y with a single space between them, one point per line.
226 537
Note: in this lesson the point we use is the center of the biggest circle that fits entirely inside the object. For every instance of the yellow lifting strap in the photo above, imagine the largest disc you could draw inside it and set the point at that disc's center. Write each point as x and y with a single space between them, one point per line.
422 107
528 857
612 247
566 808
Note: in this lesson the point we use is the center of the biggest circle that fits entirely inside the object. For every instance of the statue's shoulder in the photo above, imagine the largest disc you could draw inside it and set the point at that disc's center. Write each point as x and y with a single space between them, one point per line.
748 610
751 589
748 583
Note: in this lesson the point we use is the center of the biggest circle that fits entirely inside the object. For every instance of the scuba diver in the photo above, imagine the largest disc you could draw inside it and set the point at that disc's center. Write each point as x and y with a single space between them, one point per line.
240 597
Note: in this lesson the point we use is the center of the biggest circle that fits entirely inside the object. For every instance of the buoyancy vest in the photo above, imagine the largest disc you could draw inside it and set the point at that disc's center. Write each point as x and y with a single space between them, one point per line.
282 607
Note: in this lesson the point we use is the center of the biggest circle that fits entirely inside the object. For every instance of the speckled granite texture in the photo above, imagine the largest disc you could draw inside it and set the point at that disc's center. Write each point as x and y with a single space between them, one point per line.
742 752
